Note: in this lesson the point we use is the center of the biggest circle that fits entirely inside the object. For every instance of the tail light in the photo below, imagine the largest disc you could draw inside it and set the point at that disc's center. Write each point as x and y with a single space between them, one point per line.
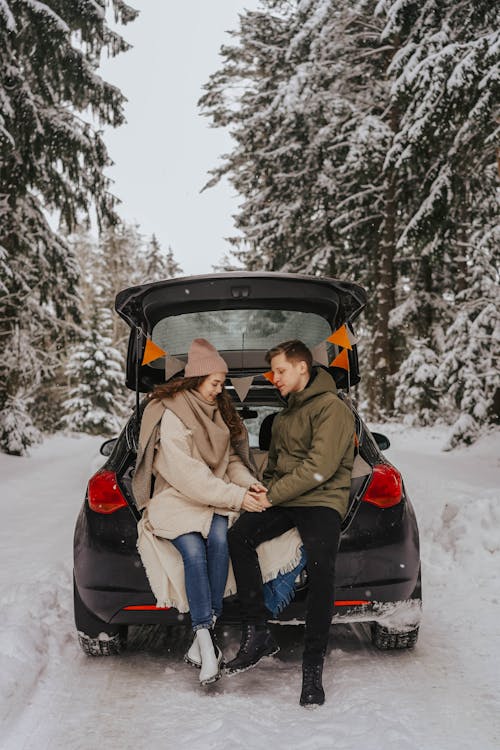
104 494
385 488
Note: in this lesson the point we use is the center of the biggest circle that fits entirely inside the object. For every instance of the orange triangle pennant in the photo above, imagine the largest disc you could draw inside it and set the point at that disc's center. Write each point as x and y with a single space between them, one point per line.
341 360
269 376
340 337
152 352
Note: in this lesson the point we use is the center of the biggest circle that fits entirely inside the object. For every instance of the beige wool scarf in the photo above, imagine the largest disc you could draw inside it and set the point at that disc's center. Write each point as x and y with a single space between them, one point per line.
210 432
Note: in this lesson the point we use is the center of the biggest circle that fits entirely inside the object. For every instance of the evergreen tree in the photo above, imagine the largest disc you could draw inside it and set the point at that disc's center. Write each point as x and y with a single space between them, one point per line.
118 259
444 88
51 159
471 362
156 265
364 133
95 371
172 268
119 266
417 397
313 127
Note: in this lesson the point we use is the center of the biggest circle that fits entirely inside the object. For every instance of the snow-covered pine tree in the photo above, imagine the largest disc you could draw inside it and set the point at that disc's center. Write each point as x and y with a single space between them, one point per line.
417 396
95 373
312 127
445 85
105 266
49 386
363 132
269 126
51 159
172 267
471 362
120 266
156 264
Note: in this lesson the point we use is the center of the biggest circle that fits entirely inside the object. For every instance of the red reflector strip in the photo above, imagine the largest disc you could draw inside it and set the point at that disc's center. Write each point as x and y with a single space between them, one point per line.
145 607
338 603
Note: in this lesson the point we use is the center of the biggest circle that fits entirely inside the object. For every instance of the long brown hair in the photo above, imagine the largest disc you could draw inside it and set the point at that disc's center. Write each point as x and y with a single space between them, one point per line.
224 402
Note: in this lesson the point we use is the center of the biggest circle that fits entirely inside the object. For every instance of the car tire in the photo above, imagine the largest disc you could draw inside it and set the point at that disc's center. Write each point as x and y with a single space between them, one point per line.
96 637
386 639
100 646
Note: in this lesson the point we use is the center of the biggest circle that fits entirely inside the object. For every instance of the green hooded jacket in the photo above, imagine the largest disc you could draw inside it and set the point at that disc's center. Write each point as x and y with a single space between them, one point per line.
312 449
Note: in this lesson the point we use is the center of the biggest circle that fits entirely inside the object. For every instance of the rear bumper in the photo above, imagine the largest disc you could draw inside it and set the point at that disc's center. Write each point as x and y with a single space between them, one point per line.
397 602
131 608
378 583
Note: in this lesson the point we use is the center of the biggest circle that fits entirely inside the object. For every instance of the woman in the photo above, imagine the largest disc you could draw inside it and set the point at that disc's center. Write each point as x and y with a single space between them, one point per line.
200 485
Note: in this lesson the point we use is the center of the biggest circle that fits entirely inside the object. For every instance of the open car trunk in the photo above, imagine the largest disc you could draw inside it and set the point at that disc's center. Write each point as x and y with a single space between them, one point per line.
242 314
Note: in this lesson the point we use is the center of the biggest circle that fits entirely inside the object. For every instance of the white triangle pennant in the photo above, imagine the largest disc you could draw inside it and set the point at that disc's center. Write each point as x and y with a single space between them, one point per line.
173 366
352 336
242 386
320 353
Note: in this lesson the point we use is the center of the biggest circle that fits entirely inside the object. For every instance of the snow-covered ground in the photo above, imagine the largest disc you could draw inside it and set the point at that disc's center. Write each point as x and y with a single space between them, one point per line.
443 695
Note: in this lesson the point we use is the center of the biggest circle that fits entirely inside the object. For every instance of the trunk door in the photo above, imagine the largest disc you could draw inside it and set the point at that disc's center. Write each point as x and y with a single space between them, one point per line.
241 314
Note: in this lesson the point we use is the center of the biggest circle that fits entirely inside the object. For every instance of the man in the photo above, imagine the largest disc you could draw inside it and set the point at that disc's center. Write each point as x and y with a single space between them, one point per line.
308 479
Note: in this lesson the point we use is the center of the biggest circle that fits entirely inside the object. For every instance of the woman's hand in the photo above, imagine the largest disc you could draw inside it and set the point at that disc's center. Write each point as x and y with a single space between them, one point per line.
254 503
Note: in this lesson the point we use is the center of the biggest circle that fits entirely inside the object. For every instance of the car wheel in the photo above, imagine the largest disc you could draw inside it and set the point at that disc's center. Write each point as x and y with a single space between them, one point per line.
100 646
386 639
96 637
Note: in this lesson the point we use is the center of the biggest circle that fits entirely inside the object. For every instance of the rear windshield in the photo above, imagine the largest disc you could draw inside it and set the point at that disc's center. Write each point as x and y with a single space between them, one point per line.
237 330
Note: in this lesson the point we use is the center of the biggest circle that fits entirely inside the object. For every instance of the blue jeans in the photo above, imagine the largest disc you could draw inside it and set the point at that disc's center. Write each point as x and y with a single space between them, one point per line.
206 562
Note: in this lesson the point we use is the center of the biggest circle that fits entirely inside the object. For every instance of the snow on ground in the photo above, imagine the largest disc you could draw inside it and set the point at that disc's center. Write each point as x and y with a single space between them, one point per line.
443 695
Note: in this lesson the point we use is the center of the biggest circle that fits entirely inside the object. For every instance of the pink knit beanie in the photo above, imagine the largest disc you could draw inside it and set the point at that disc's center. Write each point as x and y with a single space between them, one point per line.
203 359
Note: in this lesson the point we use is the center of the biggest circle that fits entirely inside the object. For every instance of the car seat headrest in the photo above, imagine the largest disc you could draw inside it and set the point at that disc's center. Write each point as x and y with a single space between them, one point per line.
265 432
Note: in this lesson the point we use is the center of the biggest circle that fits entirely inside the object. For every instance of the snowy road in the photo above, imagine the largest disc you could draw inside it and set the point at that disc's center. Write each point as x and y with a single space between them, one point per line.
441 696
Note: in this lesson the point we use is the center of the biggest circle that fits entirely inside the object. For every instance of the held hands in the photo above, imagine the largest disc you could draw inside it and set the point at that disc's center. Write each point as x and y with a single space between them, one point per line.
261 492
255 500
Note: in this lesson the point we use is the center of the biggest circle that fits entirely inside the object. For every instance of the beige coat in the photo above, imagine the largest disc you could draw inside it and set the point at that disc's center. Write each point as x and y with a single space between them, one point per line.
187 492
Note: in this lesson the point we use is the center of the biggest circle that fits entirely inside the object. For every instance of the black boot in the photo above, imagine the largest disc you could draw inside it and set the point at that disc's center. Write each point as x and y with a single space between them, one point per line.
312 689
255 643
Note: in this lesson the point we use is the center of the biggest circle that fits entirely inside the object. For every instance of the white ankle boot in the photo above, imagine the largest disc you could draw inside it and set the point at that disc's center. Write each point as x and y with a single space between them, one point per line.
210 661
192 655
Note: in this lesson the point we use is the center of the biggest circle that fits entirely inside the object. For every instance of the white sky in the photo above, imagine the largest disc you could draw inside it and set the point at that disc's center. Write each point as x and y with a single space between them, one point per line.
163 154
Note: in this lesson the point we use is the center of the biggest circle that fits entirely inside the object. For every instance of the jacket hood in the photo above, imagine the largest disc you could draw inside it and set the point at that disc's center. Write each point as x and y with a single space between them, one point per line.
321 383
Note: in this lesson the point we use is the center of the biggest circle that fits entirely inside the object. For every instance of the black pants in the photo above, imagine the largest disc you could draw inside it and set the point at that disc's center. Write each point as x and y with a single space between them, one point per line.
319 529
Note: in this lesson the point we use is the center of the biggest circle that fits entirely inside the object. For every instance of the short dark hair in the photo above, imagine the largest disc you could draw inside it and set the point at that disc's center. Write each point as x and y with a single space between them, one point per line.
294 350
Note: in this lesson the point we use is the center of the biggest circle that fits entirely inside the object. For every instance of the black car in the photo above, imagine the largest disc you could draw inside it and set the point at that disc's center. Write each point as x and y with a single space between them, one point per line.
243 314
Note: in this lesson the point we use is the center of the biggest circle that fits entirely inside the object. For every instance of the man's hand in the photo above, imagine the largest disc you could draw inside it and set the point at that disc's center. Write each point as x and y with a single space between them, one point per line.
261 491
257 487
253 502
255 499
264 501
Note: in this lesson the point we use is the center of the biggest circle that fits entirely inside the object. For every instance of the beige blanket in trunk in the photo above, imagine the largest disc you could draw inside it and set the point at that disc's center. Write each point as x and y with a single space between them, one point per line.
165 569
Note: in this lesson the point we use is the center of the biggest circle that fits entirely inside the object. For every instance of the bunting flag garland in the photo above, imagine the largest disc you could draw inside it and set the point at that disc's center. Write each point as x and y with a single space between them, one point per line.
341 360
340 337
173 366
152 352
320 354
242 386
343 337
